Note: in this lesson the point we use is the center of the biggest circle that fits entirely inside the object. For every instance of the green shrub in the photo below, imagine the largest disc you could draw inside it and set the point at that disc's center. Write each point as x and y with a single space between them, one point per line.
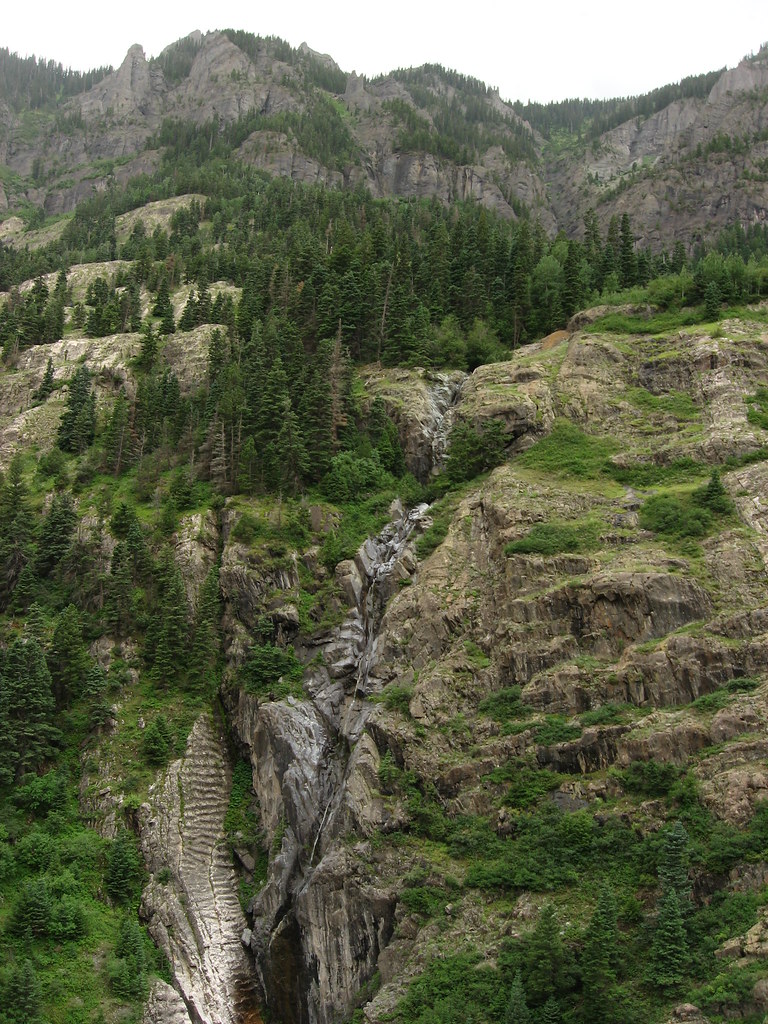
455 989
248 528
568 452
757 408
389 773
688 516
352 477
608 714
241 822
504 705
36 849
648 778
476 655
742 684
556 538
650 474
396 698
671 517
272 672
556 730
472 451
527 785
714 701
677 403
432 537
424 899
68 919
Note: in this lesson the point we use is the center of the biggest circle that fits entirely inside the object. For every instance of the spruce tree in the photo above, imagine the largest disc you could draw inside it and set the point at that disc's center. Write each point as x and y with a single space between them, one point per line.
599 956
78 419
47 383
16 529
207 641
669 950
544 958
517 1011
27 706
627 258
172 642
123 874
117 436
292 458
23 995
55 533
68 658
148 352
673 863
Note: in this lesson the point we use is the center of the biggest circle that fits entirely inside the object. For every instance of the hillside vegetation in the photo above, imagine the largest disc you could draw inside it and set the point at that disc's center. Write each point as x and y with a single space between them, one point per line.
216 385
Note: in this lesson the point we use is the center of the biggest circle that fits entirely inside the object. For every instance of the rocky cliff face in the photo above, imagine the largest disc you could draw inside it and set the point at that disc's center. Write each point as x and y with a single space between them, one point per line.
665 170
668 172
630 624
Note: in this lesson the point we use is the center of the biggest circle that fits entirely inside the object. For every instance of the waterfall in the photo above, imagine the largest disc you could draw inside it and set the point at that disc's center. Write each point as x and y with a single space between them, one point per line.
304 753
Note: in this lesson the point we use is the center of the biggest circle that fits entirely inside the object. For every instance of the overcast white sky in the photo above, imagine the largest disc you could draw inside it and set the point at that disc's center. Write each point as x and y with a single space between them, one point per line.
540 51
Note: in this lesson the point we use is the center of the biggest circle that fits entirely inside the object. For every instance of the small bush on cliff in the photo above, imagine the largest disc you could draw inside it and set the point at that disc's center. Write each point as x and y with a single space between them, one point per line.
569 452
504 705
472 451
272 672
557 539
682 516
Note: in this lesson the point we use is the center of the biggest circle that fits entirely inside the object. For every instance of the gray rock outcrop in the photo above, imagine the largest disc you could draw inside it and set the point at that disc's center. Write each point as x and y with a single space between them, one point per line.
191 903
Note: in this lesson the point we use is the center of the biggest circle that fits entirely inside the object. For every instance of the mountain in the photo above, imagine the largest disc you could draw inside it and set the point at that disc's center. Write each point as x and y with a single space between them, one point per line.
383 624
422 132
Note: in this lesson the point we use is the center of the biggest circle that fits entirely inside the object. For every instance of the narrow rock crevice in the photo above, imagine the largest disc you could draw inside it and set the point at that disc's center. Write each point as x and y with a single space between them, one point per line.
320 922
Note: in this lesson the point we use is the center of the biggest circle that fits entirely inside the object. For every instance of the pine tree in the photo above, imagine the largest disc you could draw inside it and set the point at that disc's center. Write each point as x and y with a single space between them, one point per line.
68 658
598 963
550 1012
119 591
627 258
127 972
117 436
94 692
291 453
47 383
188 318
544 958
148 351
16 529
207 641
27 706
669 950
55 533
673 863
170 656
78 420
517 1011
23 995
712 299
157 741
123 874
